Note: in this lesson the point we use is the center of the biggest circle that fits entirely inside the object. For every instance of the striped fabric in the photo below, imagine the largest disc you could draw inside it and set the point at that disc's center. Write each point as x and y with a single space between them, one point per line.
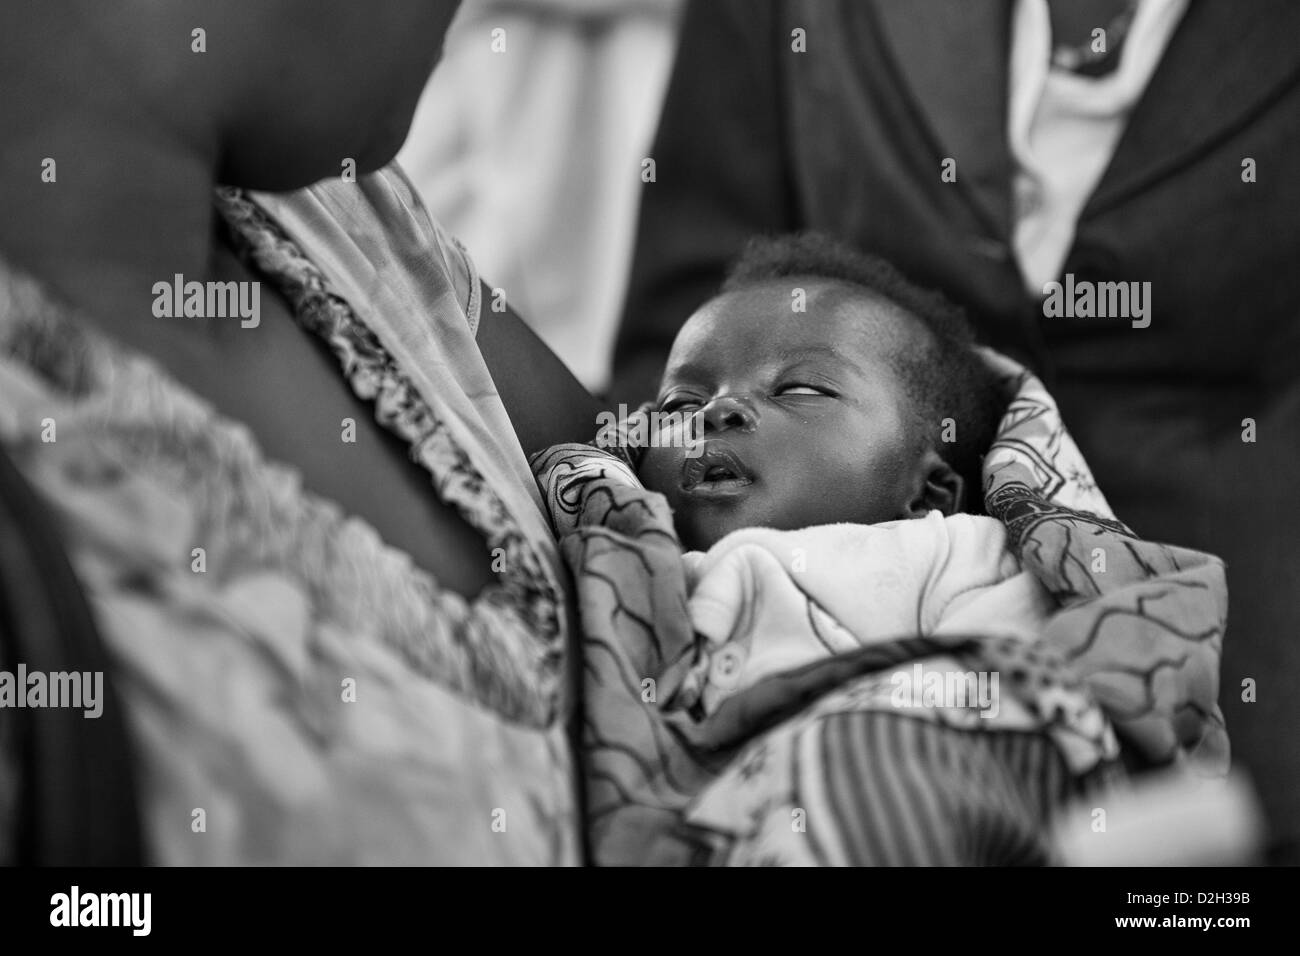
871 788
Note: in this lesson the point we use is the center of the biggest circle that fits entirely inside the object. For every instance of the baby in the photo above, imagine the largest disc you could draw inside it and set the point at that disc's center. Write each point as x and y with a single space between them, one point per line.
824 381
818 437
836 417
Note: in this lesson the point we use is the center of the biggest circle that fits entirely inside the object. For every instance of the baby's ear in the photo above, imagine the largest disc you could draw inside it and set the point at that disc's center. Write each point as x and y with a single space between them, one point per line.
940 488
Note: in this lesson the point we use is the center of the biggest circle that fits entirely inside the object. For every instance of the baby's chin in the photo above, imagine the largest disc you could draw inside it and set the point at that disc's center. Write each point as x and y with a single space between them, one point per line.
702 524
700 531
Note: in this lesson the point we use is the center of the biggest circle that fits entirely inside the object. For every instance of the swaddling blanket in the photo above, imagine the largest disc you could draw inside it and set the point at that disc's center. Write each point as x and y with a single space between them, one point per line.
935 745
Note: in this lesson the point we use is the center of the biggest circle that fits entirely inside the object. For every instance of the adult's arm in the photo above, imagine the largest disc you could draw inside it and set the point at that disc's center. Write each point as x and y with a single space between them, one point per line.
546 404
720 177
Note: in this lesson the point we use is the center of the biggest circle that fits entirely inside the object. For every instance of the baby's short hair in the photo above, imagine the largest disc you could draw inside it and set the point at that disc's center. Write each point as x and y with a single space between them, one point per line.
946 380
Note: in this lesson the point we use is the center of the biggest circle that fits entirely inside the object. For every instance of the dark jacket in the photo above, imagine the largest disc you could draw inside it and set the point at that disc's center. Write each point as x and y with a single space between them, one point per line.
850 138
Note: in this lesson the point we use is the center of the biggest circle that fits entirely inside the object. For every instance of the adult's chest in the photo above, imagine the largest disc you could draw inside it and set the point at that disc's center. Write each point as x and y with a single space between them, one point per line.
286 385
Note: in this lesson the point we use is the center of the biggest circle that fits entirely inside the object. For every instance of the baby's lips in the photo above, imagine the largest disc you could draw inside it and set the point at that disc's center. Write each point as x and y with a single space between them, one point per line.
713 453
693 470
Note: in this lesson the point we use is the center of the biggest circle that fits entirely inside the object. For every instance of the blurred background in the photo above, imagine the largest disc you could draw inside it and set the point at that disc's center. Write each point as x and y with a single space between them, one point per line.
533 159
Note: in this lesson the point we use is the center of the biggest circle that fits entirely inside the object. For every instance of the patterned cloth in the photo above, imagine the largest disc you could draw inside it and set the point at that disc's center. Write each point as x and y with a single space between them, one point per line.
819 765
448 745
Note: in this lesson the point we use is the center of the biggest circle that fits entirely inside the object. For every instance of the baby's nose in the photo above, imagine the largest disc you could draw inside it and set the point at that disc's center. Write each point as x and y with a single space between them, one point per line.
728 412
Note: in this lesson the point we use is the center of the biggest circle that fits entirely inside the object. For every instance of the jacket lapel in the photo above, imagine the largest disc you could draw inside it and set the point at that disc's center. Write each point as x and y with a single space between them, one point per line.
1223 61
953 57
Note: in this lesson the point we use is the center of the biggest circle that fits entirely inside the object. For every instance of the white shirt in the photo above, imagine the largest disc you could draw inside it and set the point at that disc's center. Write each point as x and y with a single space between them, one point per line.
1063 128
533 156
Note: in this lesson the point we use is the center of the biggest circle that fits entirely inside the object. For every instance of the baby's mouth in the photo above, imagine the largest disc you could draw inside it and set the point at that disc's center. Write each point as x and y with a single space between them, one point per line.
719 469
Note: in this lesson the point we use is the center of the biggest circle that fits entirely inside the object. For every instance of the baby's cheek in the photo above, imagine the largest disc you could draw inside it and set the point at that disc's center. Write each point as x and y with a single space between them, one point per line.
659 469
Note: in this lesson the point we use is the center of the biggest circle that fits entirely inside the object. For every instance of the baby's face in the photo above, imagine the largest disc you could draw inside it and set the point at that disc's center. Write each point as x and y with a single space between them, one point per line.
804 420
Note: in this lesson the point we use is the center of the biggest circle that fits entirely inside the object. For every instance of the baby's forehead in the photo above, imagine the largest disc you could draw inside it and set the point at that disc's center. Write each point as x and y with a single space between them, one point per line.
790 312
